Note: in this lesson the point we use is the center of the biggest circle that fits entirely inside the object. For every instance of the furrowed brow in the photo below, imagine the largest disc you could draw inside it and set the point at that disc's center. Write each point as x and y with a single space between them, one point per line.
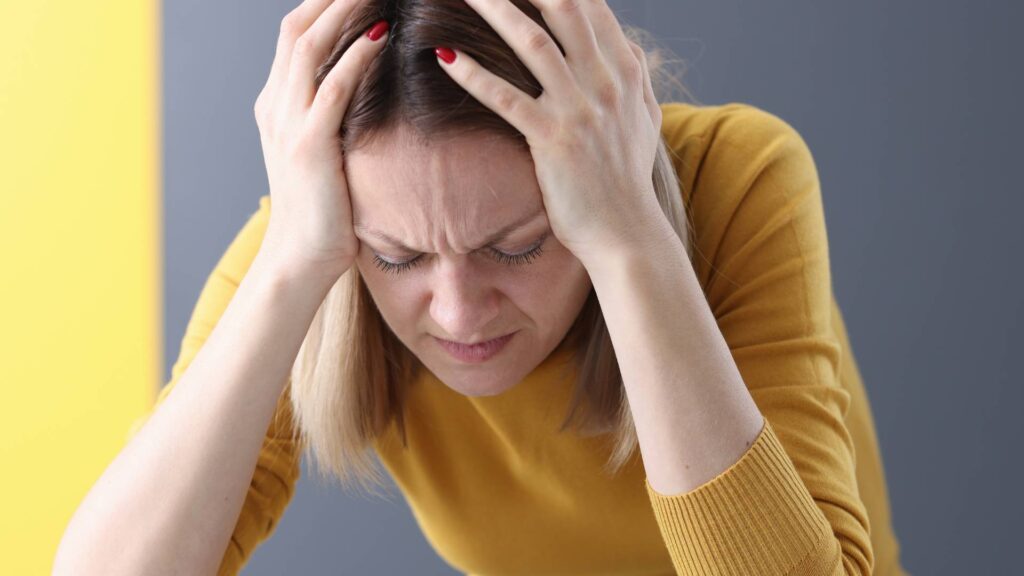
498 236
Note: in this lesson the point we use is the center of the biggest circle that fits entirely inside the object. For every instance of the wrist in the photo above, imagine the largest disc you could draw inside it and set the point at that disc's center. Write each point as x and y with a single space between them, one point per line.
286 272
646 242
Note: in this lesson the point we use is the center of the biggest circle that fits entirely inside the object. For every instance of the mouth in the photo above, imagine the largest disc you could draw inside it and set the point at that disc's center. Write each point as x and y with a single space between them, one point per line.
475 353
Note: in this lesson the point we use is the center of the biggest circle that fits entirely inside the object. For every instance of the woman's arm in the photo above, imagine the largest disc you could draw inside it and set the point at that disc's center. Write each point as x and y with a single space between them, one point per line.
693 414
168 502
735 393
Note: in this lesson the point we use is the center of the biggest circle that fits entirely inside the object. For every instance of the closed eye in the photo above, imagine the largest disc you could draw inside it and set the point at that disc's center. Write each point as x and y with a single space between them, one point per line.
520 258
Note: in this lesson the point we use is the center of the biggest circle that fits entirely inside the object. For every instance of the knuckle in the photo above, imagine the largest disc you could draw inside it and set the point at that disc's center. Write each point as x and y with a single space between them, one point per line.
259 107
640 53
290 24
581 115
633 70
505 99
567 6
562 135
548 131
608 94
331 91
304 44
545 132
586 119
470 76
265 121
537 39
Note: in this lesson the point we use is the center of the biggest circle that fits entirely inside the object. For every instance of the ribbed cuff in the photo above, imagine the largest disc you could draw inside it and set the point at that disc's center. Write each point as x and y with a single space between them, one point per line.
756 517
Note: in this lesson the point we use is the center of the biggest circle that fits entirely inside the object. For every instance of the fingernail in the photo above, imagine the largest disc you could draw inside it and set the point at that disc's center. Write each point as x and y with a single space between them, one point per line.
377 30
446 54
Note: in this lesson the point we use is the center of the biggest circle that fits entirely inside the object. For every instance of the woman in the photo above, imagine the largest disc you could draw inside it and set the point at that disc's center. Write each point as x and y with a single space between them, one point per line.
455 280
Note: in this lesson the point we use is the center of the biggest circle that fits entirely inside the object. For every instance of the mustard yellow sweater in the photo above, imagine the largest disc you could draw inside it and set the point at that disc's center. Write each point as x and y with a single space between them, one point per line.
497 490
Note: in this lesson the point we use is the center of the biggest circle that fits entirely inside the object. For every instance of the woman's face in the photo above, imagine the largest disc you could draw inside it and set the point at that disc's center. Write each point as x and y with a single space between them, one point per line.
441 205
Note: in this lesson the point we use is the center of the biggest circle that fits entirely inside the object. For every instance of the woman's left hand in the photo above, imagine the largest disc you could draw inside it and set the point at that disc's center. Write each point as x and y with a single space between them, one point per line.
593 132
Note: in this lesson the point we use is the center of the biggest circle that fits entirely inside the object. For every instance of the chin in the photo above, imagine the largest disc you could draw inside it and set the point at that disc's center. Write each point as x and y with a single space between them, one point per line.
491 378
476 381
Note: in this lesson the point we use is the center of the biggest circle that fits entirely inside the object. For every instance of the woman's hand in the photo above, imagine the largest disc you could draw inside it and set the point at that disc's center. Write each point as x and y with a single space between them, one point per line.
310 229
594 131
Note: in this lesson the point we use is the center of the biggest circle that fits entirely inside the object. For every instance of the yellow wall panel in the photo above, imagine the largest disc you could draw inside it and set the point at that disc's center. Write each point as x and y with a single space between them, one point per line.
80 254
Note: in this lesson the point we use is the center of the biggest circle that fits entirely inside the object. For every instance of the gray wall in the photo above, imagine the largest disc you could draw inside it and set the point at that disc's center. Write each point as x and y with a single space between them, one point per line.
910 109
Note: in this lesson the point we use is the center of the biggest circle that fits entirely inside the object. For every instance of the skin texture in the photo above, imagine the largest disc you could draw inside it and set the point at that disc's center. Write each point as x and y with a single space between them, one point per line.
442 202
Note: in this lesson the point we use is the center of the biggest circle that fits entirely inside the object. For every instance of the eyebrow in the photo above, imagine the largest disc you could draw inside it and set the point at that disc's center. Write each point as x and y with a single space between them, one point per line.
498 236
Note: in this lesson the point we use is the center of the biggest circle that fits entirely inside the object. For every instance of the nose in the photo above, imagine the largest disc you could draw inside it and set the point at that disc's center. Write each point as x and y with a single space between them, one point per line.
464 303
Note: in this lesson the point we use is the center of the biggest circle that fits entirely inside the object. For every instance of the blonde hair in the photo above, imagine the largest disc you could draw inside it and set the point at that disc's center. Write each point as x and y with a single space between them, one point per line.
348 381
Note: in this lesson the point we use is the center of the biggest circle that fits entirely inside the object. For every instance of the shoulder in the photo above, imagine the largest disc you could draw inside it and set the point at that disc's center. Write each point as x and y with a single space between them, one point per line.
741 170
683 119
714 147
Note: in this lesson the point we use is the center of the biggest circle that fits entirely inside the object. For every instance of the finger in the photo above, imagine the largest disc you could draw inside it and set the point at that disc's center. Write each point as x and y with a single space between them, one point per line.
606 26
292 26
335 92
311 49
518 108
531 43
653 108
572 29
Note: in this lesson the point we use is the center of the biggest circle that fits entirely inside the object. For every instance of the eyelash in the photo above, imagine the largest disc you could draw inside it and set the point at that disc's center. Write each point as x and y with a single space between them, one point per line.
509 259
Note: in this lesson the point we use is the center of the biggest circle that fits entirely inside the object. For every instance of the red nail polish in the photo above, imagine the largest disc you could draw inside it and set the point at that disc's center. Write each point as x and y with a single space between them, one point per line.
377 30
446 54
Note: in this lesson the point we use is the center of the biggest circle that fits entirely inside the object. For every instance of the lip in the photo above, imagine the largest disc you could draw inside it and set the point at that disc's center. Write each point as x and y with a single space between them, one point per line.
475 353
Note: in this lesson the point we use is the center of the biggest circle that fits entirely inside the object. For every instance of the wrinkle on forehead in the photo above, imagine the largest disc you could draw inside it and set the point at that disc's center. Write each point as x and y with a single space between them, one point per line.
451 193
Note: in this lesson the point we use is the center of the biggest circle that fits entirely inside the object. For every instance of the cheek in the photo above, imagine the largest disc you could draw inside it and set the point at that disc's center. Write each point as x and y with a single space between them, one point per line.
396 307
563 287
391 294
547 284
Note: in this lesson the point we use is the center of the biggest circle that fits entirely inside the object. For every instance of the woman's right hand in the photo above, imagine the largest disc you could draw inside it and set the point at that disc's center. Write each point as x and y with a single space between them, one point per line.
310 228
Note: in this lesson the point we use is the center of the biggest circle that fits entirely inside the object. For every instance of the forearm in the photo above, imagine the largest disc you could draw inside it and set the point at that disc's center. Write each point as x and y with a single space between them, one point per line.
693 414
168 502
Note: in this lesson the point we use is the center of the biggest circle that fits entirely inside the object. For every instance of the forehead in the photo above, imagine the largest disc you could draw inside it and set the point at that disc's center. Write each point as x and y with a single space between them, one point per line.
474 178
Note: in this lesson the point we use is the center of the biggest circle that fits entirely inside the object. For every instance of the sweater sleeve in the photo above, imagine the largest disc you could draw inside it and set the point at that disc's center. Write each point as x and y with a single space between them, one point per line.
790 504
277 467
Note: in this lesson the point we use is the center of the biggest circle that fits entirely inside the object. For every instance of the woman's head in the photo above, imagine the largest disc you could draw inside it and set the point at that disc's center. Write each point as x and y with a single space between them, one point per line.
440 173
425 214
